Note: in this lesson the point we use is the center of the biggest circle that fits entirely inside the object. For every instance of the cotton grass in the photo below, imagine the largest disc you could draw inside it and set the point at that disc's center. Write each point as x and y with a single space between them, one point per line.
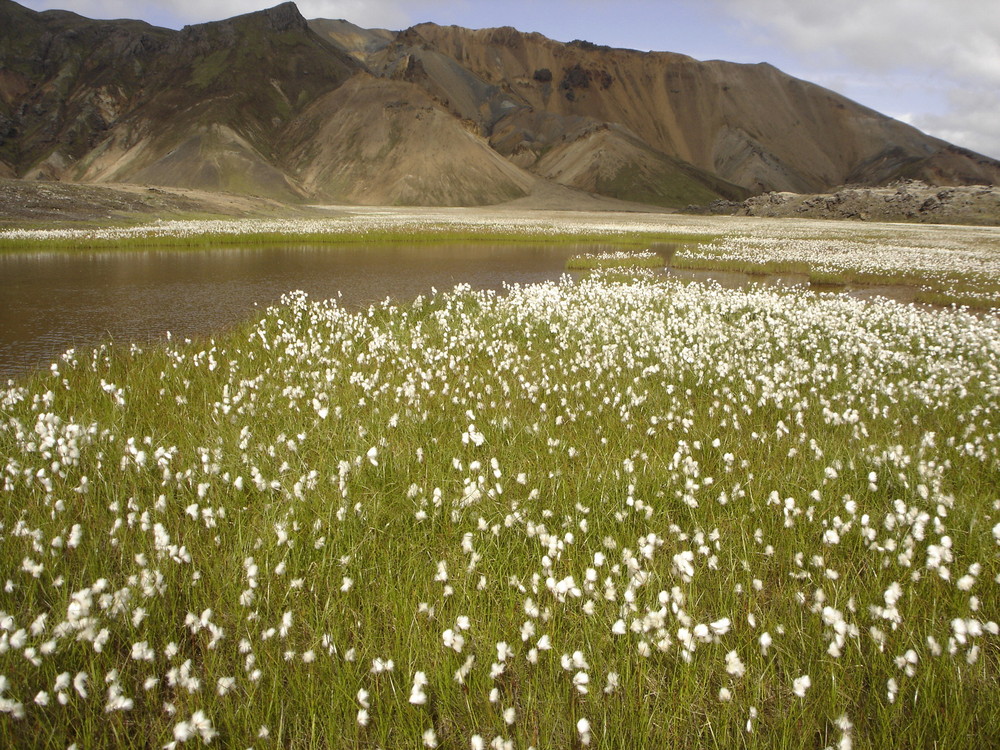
578 514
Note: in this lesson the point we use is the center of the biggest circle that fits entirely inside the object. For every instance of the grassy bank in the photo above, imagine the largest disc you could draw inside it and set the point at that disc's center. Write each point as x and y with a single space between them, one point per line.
968 290
605 515
943 271
620 259
212 234
737 265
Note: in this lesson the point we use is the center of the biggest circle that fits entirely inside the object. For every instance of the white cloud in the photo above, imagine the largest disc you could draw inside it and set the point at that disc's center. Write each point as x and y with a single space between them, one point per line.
951 45
971 122
962 36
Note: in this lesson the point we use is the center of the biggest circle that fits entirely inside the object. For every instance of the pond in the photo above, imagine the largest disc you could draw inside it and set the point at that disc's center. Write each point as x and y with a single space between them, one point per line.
50 302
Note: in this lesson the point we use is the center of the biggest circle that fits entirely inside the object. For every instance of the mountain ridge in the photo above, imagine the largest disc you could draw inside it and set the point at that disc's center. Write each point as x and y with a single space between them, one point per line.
272 104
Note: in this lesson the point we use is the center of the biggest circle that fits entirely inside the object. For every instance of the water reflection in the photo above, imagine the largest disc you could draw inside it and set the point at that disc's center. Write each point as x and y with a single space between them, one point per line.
50 302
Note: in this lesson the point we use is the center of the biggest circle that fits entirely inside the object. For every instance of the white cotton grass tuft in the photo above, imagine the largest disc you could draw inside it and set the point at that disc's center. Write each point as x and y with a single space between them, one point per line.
417 695
765 642
734 666
800 685
846 741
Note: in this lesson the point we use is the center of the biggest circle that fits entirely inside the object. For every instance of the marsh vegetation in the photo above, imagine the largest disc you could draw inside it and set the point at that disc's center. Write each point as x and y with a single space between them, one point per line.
593 513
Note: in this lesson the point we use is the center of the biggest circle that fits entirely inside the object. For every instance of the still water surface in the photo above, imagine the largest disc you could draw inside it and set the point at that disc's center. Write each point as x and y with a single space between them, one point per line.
50 302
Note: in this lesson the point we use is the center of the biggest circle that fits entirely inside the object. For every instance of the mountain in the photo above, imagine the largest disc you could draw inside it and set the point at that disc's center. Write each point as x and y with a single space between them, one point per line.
749 124
205 107
379 141
271 104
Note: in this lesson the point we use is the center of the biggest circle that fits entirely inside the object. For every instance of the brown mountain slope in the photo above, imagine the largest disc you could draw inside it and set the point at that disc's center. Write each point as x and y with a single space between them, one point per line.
273 105
193 155
608 160
613 163
359 43
227 92
202 107
63 83
749 124
376 141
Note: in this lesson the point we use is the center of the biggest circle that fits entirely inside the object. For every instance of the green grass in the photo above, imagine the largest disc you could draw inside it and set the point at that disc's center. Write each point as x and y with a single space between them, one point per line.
737 265
203 240
972 289
959 299
622 275
620 259
325 444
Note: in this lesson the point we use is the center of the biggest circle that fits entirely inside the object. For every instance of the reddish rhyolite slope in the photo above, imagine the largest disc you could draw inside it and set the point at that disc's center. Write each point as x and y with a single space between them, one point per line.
273 105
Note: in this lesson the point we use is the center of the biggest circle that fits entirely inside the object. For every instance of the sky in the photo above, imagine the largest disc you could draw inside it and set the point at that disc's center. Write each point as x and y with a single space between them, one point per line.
932 63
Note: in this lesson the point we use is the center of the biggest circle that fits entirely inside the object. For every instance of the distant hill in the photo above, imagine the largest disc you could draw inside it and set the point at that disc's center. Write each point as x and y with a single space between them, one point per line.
271 104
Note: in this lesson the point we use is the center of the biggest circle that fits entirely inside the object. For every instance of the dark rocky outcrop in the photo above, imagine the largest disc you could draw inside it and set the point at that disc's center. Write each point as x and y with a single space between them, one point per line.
904 200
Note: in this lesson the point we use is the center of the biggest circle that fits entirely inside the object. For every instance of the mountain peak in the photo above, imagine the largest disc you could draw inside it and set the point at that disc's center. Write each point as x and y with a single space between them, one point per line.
285 17
269 103
280 18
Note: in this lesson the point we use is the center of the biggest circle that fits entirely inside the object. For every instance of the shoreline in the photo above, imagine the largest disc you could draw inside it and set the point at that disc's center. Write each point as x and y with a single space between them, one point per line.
948 263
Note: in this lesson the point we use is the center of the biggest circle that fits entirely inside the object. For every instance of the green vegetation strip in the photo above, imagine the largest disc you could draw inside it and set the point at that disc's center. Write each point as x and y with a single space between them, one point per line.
201 240
618 259
737 265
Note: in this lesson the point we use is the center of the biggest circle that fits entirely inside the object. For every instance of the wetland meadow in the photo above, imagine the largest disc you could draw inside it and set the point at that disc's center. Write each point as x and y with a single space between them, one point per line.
624 507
